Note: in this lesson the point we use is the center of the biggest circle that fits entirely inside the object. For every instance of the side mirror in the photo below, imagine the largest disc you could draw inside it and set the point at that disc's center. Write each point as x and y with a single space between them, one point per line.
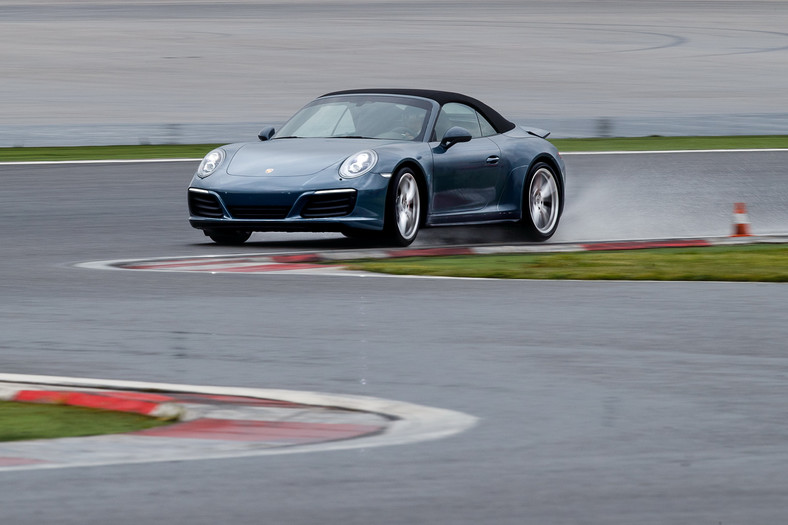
266 133
455 135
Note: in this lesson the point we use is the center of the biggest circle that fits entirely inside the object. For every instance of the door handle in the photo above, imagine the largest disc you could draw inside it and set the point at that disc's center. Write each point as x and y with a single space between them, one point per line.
492 160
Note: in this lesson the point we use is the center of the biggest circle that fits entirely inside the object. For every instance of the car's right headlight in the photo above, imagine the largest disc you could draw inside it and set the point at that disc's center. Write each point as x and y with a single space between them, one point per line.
211 162
358 164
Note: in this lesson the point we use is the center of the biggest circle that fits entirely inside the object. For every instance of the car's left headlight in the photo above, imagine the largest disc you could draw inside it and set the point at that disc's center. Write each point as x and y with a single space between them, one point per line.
211 162
358 164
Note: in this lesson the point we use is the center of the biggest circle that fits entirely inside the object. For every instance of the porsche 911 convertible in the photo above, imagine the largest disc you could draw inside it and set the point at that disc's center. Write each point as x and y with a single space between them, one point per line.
381 164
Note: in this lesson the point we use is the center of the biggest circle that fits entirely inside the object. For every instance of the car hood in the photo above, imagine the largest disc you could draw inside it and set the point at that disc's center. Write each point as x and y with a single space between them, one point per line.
294 157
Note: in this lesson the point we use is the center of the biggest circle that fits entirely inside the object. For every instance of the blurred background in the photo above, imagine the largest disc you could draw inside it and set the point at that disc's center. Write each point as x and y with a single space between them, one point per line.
191 71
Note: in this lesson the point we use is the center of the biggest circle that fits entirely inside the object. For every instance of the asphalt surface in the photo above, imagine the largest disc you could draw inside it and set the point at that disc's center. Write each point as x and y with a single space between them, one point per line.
597 402
604 403
135 71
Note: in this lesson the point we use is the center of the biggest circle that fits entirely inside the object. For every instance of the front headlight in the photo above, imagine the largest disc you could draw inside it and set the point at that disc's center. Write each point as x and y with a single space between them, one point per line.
358 164
211 161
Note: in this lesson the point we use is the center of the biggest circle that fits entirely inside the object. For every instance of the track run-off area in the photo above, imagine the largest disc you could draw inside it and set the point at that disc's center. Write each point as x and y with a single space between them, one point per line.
216 422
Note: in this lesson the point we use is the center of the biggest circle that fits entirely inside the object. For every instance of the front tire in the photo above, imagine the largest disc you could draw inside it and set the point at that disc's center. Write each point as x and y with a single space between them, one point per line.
403 208
541 203
229 237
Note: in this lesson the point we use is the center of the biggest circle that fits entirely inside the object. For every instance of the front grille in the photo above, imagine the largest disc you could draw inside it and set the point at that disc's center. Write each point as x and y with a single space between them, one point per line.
329 205
205 205
259 212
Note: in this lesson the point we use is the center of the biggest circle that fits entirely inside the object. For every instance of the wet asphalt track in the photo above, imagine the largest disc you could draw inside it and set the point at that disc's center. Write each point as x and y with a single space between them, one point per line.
599 402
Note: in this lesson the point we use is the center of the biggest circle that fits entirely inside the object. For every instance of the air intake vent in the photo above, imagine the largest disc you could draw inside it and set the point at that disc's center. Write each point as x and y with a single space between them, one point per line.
259 212
205 205
329 205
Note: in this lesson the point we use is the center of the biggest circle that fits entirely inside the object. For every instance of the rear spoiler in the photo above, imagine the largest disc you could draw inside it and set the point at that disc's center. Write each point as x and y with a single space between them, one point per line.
536 132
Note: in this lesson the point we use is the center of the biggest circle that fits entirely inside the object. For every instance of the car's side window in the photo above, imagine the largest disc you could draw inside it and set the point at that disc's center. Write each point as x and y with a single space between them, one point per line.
455 114
487 129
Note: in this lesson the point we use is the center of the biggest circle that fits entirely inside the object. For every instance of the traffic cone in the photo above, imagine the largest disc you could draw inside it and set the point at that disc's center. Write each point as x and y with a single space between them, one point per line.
741 224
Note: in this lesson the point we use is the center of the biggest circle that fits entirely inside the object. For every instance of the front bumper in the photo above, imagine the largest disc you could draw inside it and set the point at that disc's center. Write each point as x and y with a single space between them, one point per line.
359 204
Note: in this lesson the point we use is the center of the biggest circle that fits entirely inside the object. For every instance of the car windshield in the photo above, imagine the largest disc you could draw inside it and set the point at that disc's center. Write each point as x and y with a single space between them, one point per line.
360 116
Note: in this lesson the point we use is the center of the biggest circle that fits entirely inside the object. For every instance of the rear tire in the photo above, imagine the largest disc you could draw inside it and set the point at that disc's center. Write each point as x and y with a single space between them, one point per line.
541 203
403 209
228 237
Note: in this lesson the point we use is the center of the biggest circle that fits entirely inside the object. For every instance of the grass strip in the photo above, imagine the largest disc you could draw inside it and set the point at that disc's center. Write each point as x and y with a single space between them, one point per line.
672 143
197 151
751 263
66 153
22 421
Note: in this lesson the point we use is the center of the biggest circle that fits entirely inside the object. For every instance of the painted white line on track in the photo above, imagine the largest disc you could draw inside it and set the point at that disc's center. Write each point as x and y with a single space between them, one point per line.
116 161
674 151
410 423
563 153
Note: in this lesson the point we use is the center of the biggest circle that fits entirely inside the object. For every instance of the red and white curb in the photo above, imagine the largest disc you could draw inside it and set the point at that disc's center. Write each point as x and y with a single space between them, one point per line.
212 264
328 262
217 422
153 405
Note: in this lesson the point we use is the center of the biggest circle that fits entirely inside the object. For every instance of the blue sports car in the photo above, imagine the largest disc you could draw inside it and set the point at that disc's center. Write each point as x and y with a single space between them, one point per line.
381 163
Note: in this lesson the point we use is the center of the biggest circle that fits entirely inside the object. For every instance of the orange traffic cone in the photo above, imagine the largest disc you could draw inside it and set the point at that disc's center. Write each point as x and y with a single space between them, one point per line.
741 224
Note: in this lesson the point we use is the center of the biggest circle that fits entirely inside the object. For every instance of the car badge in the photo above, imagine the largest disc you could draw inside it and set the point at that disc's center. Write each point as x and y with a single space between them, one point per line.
269 170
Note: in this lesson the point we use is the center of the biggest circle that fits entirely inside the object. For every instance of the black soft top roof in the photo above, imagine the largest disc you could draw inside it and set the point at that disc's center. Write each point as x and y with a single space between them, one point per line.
500 124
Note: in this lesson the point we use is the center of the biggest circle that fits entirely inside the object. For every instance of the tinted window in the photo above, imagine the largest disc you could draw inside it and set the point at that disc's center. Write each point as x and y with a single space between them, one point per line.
487 129
454 114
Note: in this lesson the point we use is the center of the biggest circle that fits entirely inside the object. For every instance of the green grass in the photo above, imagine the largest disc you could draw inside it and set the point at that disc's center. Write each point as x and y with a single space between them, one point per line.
197 151
21 421
672 143
166 151
761 262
